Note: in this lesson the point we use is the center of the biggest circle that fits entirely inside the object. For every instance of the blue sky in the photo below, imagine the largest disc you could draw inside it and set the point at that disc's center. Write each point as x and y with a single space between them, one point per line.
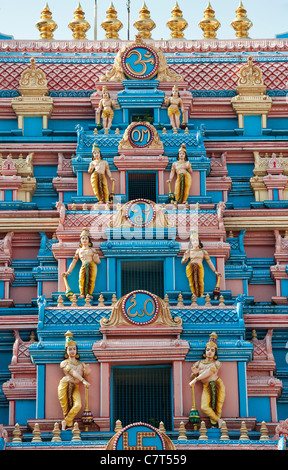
18 17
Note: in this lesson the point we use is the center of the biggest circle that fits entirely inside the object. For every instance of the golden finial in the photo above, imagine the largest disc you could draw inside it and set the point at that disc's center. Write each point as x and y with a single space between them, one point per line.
36 434
182 432
203 432
79 26
46 24
118 426
56 433
180 301
243 432
144 24
241 23
112 25
224 432
264 432
209 24
17 434
162 427
177 23
76 432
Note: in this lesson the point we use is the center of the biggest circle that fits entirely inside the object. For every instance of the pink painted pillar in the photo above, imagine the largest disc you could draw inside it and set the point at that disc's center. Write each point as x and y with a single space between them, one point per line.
105 390
273 406
177 388
62 268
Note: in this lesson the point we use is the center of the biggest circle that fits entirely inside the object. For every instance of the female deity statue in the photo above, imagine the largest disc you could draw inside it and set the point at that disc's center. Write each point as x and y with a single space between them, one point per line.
183 171
88 271
75 372
105 108
194 269
206 371
98 168
174 104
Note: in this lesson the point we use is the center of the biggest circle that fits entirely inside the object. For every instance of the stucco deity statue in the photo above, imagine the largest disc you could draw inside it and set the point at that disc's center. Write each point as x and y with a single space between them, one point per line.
98 169
75 372
206 371
183 171
88 271
194 269
175 104
105 109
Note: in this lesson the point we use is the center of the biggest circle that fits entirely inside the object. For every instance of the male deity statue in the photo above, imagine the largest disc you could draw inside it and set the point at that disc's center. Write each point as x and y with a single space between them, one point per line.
206 372
105 109
194 269
98 169
175 104
183 171
75 372
88 271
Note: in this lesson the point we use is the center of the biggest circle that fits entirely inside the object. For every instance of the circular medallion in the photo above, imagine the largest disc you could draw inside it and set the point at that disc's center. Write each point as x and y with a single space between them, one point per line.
140 307
140 62
140 212
140 135
139 436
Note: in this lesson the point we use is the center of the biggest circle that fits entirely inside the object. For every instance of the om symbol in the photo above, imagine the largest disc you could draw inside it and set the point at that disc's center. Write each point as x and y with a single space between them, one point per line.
140 135
140 213
140 62
140 307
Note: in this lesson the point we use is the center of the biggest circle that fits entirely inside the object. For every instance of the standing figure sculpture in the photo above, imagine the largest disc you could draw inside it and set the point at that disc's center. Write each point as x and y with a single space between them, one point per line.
206 371
75 372
194 269
88 271
183 171
98 168
175 104
105 109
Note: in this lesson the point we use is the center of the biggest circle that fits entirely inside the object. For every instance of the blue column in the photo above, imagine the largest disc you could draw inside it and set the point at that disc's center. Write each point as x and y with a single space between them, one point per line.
79 183
242 384
40 399
111 277
202 183
169 274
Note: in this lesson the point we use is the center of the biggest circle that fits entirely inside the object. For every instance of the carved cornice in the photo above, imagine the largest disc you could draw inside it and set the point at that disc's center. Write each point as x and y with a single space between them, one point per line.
185 45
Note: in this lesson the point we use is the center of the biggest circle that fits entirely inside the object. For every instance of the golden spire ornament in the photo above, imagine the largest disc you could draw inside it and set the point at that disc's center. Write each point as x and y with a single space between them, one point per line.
177 23
144 24
46 24
112 25
79 26
209 24
241 24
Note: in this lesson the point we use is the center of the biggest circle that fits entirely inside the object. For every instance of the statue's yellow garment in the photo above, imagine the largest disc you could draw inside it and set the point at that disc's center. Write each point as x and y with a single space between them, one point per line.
100 186
107 113
63 395
213 412
195 275
182 187
87 278
172 110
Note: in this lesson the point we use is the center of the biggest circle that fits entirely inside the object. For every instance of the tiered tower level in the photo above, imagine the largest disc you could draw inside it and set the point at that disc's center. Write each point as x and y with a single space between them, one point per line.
117 158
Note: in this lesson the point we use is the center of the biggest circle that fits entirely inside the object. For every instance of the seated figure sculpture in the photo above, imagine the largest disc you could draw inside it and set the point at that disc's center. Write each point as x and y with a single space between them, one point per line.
75 372
194 269
88 271
183 171
98 168
206 371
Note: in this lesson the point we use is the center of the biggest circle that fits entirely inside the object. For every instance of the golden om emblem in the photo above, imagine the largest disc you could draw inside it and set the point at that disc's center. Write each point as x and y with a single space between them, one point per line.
133 301
142 60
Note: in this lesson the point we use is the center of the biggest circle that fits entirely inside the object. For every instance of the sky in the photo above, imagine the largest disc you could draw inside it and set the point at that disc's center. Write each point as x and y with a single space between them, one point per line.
18 17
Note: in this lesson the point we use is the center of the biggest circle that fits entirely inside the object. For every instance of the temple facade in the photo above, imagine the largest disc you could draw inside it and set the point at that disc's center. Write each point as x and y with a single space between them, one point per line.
144 238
